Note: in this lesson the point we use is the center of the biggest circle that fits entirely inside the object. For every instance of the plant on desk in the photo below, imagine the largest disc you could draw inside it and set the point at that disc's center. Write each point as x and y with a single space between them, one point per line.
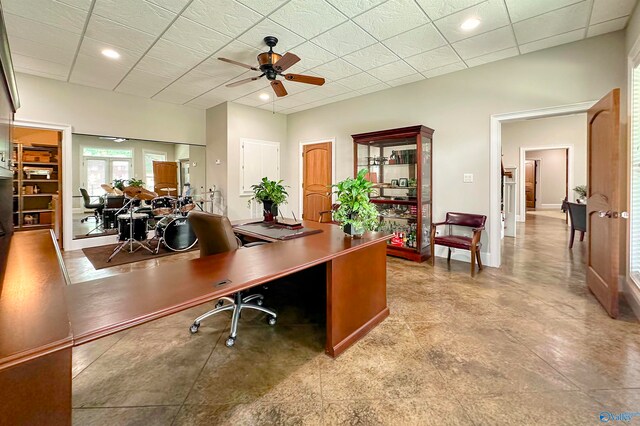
138 183
271 194
119 183
356 212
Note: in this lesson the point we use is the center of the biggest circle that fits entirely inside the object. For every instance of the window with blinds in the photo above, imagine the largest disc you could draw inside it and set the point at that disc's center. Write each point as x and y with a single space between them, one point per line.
634 252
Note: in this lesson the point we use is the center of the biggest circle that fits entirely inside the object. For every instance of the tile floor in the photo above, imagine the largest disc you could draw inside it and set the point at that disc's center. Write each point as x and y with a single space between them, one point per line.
522 344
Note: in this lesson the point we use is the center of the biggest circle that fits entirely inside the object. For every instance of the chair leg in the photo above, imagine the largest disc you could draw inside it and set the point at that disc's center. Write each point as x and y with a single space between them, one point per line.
571 236
479 261
581 235
473 261
449 254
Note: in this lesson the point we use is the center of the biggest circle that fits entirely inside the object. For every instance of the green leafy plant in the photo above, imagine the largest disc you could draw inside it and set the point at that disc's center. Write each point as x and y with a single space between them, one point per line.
269 191
135 182
356 210
581 190
119 183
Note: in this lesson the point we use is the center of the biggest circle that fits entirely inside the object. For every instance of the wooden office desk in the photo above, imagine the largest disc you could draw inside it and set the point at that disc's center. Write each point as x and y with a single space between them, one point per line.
355 276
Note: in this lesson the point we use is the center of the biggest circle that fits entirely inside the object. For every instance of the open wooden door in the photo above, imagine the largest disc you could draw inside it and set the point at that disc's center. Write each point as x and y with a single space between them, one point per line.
604 200
165 175
530 183
316 166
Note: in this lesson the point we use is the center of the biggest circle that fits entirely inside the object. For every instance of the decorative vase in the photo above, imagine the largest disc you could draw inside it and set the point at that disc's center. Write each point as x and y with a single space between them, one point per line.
270 210
353 231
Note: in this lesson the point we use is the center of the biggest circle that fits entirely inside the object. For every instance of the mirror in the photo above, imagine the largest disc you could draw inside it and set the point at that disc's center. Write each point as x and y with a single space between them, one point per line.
172 174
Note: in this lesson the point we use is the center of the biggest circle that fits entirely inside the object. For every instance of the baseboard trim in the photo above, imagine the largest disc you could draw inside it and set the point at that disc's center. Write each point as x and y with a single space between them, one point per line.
632 294
356 335
463 255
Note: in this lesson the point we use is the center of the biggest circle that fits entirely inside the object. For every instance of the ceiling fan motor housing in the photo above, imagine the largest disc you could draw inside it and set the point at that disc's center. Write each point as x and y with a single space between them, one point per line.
267 59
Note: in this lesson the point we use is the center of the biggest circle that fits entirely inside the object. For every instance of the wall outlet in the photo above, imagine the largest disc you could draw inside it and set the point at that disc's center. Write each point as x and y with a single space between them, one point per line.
467 178
218 162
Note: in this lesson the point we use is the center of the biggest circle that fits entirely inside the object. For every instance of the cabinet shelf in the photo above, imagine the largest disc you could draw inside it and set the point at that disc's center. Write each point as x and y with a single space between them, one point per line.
380 200
37 210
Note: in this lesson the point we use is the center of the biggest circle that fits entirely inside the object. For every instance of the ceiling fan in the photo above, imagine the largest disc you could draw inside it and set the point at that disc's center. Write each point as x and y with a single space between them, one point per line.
272 65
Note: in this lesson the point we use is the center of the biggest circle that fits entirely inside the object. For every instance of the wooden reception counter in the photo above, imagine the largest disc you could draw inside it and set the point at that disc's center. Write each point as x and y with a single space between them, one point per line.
35 351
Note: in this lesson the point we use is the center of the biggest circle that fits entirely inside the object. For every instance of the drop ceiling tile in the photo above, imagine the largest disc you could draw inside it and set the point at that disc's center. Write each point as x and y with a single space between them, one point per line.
491 13
551 24
271 108
483 44
331 89
433 59
253 99
111 32
607 27
308 18
335 70
171 70
524 9
375 88
40 73
311 56
405 80
492 57
439 9
415 41
255 36
142 83
606 10
237 51
226 16
359 81
231 93
174 6
371 57
188 33
352 8
458 66
545 43
392 18
94 48
171 52
49 12
40 33
41 51
94 72
312 95
207 100
288 102
344 39
138 14
263 7
392 71
221 73
194 83
173 96
33 65
80 4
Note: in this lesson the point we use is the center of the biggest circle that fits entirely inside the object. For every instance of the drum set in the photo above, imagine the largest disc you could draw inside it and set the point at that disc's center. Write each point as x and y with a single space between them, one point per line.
136 212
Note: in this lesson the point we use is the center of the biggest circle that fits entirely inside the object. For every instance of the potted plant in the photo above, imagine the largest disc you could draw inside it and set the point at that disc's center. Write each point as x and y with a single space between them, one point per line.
356 213
581 190
135 182
119 183
271 194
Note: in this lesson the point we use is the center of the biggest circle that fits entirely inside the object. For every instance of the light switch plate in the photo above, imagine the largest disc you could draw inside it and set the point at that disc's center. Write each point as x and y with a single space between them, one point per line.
467 178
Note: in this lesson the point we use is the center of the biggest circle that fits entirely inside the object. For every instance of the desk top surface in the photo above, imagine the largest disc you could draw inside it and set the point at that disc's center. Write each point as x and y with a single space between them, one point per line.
105 306
274 232
33 313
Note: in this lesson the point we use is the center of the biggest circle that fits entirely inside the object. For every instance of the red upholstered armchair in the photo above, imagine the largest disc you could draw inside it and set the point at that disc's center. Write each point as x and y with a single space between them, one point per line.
474 221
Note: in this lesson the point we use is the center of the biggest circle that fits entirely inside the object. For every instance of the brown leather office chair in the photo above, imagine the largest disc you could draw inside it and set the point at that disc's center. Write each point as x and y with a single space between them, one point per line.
215 235
474 221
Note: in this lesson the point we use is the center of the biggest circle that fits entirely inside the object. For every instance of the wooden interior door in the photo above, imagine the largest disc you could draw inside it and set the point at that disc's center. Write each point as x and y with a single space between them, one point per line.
316 181
603 200
165 175
530 183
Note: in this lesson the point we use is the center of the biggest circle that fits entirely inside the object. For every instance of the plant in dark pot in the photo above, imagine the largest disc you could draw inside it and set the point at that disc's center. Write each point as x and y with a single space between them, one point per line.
271 194
138 183
356 213
119 183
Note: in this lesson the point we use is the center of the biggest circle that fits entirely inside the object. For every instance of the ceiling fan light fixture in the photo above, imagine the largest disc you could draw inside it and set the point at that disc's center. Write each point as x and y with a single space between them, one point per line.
264 96
110 53
470 24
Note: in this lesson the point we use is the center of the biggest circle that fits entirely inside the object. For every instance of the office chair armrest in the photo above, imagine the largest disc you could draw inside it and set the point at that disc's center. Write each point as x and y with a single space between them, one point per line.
438 224
257 243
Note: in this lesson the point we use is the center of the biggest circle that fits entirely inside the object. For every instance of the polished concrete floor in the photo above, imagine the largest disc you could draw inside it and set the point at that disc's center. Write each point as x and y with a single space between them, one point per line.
523 344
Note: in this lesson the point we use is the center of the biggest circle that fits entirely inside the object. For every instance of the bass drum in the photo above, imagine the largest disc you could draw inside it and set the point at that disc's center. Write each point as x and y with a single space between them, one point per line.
176 233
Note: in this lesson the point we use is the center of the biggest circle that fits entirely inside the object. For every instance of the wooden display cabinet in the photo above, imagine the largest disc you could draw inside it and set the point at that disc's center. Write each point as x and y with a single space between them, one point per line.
399 162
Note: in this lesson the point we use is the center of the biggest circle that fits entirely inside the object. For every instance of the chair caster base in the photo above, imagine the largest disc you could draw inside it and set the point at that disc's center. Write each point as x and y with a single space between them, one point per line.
230 342
194 328
219 303
271 321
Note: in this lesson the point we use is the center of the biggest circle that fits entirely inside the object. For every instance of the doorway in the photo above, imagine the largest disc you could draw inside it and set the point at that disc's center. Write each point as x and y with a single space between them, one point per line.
317 177
547 178
530 183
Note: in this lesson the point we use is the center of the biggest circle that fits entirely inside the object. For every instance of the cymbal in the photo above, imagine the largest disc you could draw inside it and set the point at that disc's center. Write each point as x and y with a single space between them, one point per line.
168 189
118 191
107 188
139 193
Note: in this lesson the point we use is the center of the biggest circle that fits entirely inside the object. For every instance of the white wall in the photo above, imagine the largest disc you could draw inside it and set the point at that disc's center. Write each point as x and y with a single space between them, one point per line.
459 106
102 112
551 177
217 148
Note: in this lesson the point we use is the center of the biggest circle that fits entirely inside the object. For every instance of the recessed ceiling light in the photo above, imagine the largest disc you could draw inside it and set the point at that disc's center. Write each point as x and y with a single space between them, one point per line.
264 96
470 24
110 53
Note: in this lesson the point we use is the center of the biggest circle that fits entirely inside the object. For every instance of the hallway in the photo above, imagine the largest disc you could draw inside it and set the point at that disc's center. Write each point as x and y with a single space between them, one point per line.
523 344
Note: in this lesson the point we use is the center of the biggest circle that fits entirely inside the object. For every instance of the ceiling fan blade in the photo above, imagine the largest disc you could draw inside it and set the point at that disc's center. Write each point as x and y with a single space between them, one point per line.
246 80
318 81
278 87
288 60
240 64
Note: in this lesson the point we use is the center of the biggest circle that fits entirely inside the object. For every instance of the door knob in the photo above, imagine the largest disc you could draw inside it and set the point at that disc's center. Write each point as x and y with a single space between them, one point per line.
603 213
615 215
624 215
